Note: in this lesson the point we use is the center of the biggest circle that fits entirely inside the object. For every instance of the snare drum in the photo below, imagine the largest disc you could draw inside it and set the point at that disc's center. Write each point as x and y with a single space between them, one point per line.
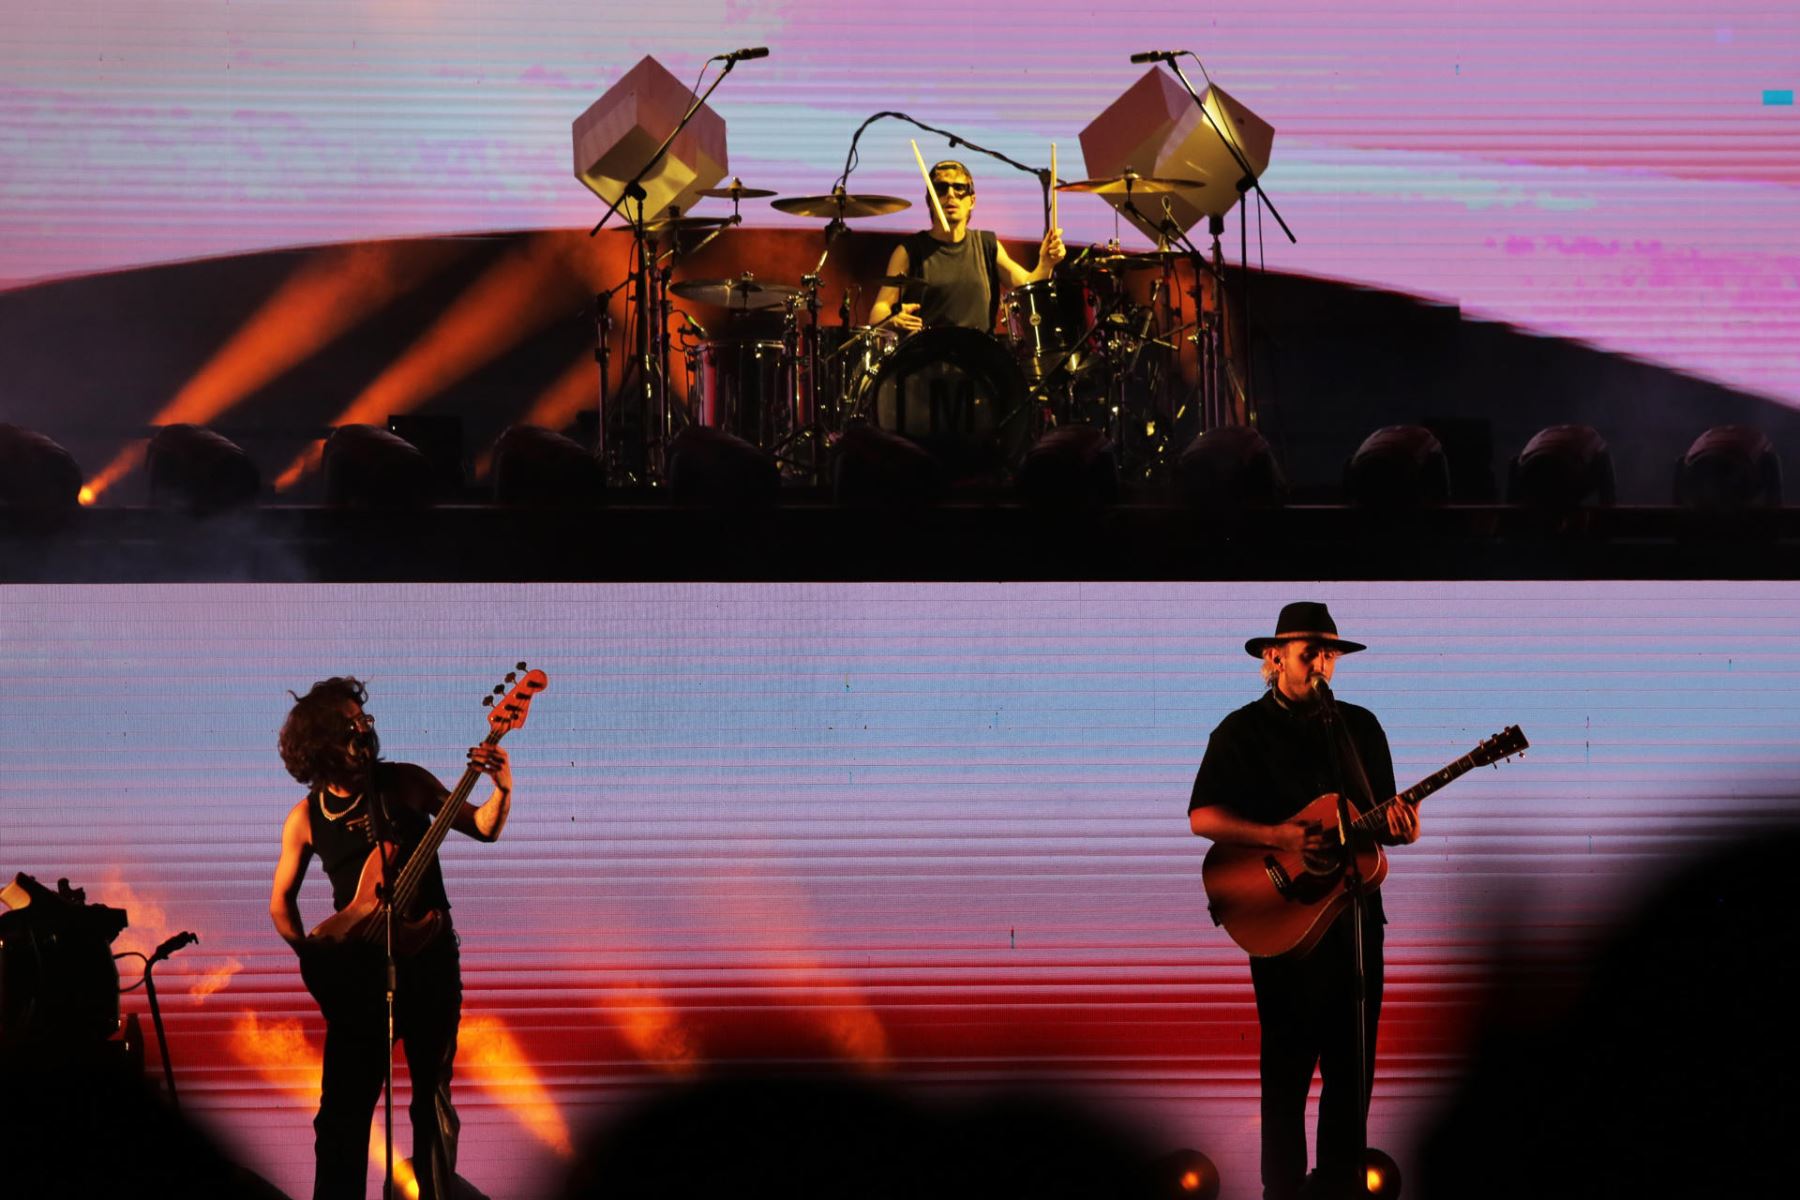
1047 321
957 392
743 386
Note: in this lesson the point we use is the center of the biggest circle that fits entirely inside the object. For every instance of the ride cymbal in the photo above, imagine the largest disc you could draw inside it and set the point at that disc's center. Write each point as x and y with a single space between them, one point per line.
840 205
1130 184
737 191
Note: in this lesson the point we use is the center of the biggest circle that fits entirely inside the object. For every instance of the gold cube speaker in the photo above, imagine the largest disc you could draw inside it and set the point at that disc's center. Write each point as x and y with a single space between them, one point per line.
1155 130
622 129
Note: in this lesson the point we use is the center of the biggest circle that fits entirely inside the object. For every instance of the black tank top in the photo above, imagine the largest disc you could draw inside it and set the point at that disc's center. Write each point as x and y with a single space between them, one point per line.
959 280
343 843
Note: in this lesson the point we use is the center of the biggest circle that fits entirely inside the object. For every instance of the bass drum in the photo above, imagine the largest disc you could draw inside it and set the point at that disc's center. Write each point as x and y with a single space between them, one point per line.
958 393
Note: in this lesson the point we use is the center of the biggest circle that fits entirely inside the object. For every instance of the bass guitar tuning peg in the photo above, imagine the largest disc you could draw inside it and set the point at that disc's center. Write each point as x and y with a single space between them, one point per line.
521 666
487 702
512 677
498 690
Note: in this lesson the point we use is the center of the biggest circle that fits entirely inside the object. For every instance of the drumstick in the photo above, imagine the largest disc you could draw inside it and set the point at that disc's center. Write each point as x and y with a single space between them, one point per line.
929 190
1054 194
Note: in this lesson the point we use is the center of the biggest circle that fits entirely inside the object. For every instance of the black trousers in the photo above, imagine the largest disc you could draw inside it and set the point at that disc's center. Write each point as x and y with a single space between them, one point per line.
1307 1009
427 1011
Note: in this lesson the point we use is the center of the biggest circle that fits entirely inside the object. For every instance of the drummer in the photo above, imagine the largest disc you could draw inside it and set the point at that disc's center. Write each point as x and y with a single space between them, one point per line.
960 270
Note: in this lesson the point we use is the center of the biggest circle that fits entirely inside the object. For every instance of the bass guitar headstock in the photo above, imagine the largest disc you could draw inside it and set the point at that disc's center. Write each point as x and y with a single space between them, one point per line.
1505 744
509 713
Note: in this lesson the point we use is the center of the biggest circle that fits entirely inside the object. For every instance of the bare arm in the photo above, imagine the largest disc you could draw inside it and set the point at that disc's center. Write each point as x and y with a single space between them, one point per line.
485 823
1050 252
1220 824
899 263
290 869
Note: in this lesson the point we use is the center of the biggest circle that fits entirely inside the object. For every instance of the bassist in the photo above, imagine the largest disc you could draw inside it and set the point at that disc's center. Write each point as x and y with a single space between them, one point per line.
1264 764
356 801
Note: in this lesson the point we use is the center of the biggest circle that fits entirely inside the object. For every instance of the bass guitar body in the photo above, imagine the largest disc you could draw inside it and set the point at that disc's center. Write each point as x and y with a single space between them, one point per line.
363 920
1272 902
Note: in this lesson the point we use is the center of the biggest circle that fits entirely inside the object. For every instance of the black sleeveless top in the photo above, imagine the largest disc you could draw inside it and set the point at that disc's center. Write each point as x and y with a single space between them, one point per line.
343 843
960 281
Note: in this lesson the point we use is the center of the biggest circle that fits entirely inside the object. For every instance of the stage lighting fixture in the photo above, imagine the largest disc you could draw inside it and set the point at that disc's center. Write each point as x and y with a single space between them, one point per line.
1381 1174
1184 1175
1070 468
1562 468
37 475
365 466
1728 469
1228 469
1398 468
194 470
537 467
711 468
872 468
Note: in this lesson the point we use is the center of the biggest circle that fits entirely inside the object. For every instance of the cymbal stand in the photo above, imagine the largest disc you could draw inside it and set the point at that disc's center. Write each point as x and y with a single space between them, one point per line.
806 408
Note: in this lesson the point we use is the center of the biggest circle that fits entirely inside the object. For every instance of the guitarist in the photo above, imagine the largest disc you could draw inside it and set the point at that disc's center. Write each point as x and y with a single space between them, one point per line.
356 800
1263 764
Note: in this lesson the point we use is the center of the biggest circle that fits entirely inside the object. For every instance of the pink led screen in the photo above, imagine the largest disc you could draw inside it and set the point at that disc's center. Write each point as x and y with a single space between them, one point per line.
1623 173
932 831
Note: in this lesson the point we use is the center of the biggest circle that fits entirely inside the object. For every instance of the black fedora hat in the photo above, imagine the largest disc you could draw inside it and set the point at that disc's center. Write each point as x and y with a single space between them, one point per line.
1304 621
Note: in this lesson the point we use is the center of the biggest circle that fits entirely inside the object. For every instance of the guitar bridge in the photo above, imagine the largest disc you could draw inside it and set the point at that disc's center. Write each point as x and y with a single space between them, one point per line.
1278 875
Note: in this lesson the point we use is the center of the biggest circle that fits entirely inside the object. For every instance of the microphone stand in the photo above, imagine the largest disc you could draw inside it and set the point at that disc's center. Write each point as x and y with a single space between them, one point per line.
650 352
378 826
1348 764
1245 185
1042 174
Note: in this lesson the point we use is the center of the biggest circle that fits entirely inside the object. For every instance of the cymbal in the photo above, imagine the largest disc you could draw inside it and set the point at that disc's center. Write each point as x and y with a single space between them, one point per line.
741 293
737 191
684 224
1141 261
1130 183
840 205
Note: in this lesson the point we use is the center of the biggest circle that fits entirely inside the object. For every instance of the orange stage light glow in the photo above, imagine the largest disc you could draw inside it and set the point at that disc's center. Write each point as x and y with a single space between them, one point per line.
655 1030
557 405
149 923
489 1054
327 294
214 981
127 460
515 297
285 1058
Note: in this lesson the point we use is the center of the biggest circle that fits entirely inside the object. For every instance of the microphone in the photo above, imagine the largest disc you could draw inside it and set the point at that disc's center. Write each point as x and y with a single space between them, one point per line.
748 52
1321 689
696 326
179 941
1157 56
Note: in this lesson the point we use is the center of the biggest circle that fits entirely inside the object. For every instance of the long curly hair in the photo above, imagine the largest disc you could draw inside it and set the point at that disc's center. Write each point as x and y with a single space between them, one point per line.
312 737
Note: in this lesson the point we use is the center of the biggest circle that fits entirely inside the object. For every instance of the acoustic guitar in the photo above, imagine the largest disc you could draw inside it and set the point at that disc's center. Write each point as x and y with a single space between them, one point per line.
1272 902
363 920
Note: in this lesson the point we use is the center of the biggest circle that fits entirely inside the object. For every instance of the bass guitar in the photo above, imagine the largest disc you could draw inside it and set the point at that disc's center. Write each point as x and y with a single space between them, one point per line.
363 920
1272 902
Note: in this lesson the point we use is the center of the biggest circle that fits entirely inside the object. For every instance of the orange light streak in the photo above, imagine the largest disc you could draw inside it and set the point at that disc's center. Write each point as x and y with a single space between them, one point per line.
129 458
214 981
516 296
489 1054
655 1031
326 295
285 1058
557 405
307 462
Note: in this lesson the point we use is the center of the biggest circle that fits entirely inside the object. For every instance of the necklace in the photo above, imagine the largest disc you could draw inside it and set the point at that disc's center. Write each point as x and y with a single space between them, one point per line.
344 811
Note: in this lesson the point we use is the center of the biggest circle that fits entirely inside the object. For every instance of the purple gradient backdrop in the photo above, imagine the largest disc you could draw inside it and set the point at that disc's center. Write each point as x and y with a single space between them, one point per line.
934 829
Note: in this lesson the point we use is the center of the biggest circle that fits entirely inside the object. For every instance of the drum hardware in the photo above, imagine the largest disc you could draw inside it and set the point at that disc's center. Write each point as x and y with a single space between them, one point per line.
633 453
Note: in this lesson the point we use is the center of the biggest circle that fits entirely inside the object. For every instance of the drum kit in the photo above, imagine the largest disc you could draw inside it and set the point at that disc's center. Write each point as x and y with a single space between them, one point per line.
1128 341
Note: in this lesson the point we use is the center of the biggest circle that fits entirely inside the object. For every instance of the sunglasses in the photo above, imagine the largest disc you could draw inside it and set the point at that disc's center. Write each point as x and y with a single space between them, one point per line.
944 187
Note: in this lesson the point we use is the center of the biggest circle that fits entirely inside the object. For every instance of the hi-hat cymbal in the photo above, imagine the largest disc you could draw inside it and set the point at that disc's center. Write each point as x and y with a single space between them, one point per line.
1130 183
741 293
840 205
737 191
685 224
